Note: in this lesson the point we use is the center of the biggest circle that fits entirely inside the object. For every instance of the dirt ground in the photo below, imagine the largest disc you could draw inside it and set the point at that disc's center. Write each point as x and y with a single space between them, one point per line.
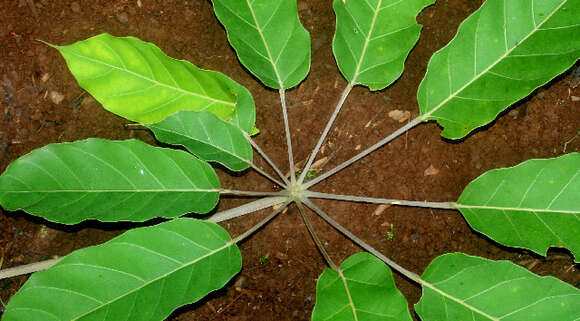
41 103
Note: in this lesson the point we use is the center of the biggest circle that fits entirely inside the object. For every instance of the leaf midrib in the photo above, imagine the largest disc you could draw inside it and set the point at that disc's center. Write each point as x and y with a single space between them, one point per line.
210 142
162 276
536 28
525 209
171 190
153 81
261 33
367 41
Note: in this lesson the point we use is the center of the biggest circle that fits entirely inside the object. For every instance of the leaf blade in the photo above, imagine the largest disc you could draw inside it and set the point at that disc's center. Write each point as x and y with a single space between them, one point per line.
372 40
485 68
108 181
103 282
136 80
533 205
206 136
268 38
363 289
474 288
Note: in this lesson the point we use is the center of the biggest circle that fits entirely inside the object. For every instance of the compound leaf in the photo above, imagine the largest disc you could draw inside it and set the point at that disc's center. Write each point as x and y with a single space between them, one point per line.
362 289
462 287
143 274
268 38
374 37
136 80
534 205
501 53
206 136
108 181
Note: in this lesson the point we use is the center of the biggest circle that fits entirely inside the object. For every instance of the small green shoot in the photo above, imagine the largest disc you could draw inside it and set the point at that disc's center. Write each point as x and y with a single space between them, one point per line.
264 259
390 235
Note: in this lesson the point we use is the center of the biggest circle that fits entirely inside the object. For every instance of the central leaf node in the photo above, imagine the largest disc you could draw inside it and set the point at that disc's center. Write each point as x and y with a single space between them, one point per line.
296 190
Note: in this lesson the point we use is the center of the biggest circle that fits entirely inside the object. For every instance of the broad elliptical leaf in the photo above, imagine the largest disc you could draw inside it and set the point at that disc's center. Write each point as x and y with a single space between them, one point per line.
363 289
467 287
136 80
143 274
501 53
374 37
534 205
108 181
206 136
269 39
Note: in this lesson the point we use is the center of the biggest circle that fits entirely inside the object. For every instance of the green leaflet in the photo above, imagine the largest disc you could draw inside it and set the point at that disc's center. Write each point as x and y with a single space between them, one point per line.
108 181
206 136
501 53
374 37
269 39
474 288
370 292
534 205
136 80
143 274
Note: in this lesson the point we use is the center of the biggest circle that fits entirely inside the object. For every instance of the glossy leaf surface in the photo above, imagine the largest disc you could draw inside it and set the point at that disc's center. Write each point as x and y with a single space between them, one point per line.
269 39
143 274
374 37
108 181
501 53
206 136
474 288
534 205
136 80
363 289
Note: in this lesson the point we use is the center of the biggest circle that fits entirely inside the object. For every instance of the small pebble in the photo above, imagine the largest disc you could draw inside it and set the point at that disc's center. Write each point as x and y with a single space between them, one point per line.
56 97
575 98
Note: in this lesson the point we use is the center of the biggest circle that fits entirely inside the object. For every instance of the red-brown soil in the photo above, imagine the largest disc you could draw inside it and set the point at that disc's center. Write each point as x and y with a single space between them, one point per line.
282 287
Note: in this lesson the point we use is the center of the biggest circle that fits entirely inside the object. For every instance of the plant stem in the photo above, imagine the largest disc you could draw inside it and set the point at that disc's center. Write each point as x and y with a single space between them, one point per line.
268 160
261 223
247 208
43 265
288 138
249 193
365 152
413 276
315 237
325 132
26 269
362 199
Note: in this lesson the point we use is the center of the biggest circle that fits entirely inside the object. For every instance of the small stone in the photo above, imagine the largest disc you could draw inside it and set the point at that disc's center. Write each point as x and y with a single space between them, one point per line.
241 283
575 98
431 170
75 7
56 97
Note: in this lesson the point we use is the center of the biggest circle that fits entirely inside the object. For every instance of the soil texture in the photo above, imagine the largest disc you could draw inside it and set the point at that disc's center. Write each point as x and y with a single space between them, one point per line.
41 103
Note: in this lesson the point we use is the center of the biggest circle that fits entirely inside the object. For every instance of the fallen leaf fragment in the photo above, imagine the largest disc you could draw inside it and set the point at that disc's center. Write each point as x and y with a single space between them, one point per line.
431 170
399 115
380 209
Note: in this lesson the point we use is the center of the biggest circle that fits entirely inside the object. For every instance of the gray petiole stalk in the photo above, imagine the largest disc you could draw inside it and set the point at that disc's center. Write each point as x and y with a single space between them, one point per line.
247 208
269 161
288 138
365 152
374 200
325 132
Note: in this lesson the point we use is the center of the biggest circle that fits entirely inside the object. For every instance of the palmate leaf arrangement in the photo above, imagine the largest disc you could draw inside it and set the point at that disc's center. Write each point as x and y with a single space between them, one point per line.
501 53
